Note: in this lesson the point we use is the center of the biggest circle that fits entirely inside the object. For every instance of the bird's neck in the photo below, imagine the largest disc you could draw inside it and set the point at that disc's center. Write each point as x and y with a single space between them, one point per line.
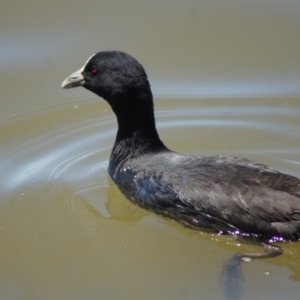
137 134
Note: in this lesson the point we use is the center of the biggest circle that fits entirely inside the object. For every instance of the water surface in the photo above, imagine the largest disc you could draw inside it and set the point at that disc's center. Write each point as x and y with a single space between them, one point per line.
66 231
226 81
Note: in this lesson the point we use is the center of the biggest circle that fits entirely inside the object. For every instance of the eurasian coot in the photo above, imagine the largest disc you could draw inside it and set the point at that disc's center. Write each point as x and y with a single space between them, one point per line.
222 193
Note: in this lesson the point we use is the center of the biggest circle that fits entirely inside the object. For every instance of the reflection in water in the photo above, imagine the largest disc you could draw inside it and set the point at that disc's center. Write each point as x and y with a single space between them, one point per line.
85 206
67 232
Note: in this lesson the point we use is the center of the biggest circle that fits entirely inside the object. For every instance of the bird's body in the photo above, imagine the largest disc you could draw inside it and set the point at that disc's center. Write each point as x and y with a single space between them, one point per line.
221 193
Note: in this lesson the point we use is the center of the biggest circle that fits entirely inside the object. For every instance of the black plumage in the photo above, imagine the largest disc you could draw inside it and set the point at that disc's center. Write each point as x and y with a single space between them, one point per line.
221 193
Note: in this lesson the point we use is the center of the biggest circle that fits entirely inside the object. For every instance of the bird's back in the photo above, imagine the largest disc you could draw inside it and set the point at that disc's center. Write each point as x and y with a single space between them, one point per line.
222 193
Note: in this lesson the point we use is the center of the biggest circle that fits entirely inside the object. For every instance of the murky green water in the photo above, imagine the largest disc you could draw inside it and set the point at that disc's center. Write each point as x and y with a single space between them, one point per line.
66 232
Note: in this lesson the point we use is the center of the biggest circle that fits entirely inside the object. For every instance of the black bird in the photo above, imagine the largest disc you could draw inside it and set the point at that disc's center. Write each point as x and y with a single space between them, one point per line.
225 194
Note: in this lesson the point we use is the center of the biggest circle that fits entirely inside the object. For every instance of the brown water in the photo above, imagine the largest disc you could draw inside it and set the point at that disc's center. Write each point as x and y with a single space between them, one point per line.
66 232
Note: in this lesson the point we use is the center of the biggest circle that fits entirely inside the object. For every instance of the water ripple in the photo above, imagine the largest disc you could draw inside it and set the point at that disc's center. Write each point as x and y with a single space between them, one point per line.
72 147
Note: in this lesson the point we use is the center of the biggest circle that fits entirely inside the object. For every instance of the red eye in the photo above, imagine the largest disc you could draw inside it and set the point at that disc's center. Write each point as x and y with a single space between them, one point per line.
94 70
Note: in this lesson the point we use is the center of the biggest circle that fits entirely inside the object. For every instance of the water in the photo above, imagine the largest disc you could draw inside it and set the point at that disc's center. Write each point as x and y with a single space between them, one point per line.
66 232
